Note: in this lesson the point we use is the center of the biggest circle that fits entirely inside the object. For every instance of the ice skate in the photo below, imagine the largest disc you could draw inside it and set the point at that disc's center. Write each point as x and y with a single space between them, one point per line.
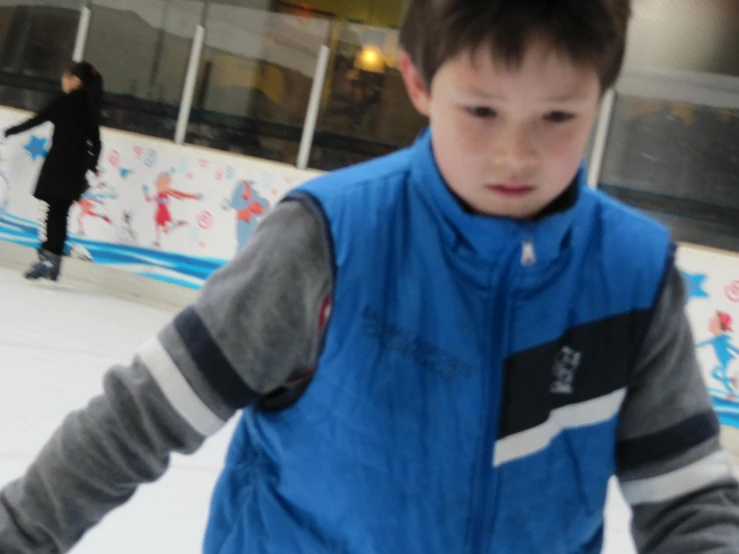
47 267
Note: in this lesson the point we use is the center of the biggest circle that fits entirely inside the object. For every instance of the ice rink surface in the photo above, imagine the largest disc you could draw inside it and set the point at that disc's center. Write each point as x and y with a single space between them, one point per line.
55 345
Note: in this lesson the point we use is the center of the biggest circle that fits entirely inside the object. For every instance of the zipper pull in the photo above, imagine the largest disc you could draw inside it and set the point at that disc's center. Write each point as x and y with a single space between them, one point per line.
528 254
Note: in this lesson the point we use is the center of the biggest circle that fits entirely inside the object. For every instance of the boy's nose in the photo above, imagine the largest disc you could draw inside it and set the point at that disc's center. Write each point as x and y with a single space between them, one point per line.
516 148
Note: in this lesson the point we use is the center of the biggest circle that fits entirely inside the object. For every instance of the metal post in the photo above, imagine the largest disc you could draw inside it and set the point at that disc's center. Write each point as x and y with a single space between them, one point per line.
311 116
83 31
190 82
601 138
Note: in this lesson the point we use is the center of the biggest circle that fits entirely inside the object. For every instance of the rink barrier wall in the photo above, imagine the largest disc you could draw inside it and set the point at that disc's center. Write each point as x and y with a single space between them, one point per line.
204 204
172 213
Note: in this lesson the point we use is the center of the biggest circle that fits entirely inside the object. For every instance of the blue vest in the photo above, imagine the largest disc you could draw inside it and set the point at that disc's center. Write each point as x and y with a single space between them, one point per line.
467 396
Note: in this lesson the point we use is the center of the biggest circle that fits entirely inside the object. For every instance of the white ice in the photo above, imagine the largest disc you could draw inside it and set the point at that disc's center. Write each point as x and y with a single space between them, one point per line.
55 345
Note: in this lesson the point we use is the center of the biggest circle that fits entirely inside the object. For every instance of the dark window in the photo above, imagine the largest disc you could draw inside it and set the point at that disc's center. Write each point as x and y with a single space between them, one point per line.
255 80
142 48
679 162
36 46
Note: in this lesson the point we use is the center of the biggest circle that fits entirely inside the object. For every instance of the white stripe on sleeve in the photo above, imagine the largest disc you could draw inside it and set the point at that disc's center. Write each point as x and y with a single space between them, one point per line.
177 390
698 475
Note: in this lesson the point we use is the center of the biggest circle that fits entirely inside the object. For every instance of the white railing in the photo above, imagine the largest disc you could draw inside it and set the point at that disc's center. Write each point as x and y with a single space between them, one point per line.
190 82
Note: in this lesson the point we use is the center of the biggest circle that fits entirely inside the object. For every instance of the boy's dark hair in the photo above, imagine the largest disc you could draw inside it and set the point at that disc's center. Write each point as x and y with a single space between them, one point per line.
591 32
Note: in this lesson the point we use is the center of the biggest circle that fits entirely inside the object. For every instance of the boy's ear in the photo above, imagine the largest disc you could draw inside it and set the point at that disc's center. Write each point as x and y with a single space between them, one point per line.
415 84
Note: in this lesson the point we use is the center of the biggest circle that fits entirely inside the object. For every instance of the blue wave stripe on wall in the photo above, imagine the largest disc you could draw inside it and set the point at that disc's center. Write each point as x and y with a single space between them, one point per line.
24 232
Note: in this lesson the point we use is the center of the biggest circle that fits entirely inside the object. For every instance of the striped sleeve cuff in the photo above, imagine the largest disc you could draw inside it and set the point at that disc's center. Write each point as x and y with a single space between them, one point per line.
177 390
711 470
194 375
666 444
674 462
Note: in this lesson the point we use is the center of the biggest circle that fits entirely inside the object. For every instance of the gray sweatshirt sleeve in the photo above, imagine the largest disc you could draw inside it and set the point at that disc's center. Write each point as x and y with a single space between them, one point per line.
672 469
252 335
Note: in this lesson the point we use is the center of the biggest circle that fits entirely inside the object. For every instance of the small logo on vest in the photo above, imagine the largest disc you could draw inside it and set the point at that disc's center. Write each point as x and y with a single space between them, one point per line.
566 365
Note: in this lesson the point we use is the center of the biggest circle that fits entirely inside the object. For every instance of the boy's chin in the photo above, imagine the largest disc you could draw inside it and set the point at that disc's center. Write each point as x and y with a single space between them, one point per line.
510 209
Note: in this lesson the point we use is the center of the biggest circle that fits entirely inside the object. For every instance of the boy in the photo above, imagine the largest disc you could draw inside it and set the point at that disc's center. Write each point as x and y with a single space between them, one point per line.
447 350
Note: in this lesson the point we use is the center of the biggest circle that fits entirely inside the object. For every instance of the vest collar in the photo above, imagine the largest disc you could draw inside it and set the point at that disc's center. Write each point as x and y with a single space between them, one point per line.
489 237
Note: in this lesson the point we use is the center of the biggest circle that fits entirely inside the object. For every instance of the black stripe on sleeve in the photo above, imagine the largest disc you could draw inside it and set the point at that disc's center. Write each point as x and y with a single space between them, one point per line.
663 445
209 358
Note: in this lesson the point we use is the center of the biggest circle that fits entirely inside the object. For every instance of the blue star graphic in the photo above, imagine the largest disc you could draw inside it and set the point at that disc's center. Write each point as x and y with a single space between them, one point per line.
36 147
125 173
694 282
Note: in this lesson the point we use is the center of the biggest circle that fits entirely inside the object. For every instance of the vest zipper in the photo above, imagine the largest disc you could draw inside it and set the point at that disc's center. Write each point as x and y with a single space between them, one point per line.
528 253
488 487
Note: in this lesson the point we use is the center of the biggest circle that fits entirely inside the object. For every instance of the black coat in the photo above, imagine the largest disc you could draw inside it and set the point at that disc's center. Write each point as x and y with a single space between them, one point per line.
75 149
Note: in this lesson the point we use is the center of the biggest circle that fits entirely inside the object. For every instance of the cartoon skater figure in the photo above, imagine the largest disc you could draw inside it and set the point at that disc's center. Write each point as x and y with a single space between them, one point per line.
720 326
126 233
250 207
92 204
163 218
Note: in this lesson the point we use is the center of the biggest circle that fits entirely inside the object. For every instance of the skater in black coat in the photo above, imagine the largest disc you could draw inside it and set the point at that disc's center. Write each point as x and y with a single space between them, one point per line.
75 150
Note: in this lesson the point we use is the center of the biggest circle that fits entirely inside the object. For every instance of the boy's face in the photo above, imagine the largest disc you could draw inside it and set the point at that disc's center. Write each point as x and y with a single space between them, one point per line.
508 140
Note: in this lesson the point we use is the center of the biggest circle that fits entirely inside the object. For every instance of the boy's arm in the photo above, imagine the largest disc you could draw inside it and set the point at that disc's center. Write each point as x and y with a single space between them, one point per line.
254 327
673 471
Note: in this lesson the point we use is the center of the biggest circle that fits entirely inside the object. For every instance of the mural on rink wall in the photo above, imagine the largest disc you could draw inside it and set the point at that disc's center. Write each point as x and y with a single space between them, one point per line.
169 212
712 282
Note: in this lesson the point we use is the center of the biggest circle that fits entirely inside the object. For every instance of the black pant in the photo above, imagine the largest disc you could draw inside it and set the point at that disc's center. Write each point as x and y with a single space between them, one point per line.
56 225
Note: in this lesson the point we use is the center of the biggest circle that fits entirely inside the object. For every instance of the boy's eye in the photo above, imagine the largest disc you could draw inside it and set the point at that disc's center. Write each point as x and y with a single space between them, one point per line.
481 112
559 117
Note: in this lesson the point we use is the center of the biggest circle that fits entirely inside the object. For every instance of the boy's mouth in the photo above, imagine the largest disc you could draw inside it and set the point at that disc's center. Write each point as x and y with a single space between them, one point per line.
511 190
